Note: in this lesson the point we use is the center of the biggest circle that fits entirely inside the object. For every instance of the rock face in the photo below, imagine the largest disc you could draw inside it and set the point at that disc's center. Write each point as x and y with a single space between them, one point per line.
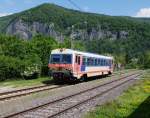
100 34
27 30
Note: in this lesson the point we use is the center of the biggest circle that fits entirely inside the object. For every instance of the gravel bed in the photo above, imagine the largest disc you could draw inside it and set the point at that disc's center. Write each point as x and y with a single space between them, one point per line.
27 91
20 104
81 110
5 89
61 105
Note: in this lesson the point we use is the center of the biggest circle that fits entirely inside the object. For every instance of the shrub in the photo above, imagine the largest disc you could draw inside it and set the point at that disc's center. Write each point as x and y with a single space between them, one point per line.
10 67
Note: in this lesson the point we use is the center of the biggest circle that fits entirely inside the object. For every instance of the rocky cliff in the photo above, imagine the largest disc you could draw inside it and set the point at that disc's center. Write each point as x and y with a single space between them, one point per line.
26 30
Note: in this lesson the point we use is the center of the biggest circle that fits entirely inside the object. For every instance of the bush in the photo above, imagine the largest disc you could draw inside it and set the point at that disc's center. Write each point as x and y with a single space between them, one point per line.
10 67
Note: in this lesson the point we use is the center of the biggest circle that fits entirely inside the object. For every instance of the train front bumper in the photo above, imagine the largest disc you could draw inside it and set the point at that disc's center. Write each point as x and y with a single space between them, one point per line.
64 75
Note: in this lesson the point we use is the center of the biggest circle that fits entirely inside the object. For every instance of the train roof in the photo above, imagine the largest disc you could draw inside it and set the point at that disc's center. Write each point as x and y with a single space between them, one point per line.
70 51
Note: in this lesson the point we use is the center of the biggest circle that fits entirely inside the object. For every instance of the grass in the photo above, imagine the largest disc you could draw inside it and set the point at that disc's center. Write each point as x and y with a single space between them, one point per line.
35 82
134 103
26 83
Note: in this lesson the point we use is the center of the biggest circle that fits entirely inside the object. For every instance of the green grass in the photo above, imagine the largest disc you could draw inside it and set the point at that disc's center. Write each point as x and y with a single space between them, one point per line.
26 83
134 103
34 82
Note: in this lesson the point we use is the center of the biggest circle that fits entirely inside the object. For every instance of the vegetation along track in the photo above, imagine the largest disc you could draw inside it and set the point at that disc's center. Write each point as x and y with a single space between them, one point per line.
22 92
59 106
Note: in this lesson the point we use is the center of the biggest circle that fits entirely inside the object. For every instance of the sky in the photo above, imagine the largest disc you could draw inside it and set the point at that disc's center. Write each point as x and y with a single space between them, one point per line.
134 8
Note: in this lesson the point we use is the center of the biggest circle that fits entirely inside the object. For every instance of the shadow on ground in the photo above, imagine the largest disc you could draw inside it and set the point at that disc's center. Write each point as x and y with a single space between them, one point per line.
143 111
50 82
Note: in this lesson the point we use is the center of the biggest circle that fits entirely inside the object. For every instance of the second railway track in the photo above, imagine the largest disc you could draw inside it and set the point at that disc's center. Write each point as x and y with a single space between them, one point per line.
59 106
26 91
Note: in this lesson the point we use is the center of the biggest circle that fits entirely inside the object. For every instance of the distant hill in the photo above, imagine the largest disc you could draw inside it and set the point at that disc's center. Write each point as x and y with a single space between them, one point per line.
59 22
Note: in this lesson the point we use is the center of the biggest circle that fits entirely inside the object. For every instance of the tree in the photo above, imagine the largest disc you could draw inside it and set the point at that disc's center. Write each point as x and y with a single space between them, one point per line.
42 46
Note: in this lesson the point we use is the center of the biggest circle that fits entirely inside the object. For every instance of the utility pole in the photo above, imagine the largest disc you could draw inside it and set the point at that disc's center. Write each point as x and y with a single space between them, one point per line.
85 22
73 33
72 36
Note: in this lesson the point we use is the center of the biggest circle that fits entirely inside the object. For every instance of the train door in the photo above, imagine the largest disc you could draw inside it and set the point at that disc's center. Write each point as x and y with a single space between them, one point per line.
78 60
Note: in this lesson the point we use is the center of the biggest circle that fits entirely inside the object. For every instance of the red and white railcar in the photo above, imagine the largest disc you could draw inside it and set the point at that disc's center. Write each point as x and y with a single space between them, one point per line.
68 64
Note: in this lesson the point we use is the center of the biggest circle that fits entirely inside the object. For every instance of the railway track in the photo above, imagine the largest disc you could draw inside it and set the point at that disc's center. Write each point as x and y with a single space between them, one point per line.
64 104
22 92
27 91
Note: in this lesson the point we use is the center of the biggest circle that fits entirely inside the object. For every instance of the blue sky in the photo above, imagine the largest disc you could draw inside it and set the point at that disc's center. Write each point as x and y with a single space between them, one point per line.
139 8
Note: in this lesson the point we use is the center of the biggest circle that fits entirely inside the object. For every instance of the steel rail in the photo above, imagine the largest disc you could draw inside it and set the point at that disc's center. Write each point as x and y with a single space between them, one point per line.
29 91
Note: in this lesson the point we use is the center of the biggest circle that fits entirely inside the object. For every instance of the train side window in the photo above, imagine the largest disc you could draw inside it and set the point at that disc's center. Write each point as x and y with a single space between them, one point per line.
101 62
79 60
104 62
88 61
95 62
84 61
76 59
107 63
92 61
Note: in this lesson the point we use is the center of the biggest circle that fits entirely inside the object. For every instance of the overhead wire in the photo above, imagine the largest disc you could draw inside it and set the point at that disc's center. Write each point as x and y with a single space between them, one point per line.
75 5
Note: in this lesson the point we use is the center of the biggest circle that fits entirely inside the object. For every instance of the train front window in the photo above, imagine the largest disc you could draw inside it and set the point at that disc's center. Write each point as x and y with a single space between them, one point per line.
61 58
66 59
55 58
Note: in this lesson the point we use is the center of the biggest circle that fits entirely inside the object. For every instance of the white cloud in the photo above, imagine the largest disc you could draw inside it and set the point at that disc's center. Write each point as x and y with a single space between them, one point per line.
4 14
144 12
